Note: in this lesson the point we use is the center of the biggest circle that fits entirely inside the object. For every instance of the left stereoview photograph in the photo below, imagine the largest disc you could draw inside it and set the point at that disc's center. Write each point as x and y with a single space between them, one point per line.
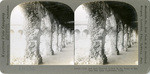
41 33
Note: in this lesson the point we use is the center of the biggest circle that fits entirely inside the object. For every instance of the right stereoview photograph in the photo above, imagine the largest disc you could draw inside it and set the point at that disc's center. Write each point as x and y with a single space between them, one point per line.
106 33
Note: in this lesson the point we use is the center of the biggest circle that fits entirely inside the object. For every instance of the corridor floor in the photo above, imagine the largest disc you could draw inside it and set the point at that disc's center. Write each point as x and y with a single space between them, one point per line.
65 57
125 58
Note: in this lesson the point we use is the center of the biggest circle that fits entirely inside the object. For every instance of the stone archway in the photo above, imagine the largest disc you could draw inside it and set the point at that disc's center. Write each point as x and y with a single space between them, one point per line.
110 31
11 31
85 33
77 33
43 29
21 32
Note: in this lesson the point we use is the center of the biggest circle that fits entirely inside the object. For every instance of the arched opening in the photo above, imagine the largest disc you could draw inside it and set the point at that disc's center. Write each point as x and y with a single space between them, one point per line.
11 31
86 32
20 32
110 25
43 26
77 31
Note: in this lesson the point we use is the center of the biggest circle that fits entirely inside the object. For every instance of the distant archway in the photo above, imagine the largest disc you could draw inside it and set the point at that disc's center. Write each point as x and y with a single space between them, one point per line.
86 32
11 31
20 32
77 31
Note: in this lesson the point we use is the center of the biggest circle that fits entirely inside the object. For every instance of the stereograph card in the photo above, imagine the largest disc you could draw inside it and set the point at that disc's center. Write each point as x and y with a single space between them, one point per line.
75 36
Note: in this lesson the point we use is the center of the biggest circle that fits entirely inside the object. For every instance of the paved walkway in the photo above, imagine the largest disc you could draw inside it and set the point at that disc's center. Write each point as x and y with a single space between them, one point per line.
125 58
66 57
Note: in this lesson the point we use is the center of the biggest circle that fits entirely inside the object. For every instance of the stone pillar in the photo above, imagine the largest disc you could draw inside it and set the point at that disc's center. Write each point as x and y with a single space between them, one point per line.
46 37
58 29
51 41
133 37
111 37
77 34
59 37
97 31
125 38
67 38
71 36
129 37
54 44
63 37
120 36
97 55
33 14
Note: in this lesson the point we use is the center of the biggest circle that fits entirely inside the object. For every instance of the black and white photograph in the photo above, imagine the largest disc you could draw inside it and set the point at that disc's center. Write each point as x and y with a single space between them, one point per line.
106 33
42 33
74 37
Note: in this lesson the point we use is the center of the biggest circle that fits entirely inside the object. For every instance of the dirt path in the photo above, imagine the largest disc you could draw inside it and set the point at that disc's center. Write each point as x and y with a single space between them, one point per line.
66 57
